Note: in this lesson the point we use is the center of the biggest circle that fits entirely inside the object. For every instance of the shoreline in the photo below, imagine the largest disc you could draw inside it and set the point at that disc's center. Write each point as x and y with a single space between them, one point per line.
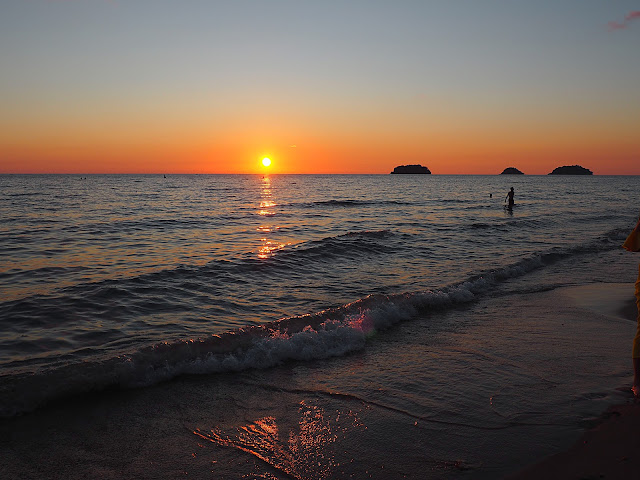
333 418
609 448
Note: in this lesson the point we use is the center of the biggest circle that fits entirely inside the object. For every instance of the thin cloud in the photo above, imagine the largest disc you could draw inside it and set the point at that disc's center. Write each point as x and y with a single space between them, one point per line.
630 17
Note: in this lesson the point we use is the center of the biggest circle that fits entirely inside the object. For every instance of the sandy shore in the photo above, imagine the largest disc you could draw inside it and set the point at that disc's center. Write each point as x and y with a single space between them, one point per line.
615 299
610 449
404 407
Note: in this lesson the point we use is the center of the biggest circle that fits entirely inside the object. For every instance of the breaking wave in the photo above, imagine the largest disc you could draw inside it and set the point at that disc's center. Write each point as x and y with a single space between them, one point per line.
328 333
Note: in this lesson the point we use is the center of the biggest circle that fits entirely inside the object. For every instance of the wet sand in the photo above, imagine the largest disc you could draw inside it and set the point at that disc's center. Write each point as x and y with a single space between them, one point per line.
611 448
615 299
476 392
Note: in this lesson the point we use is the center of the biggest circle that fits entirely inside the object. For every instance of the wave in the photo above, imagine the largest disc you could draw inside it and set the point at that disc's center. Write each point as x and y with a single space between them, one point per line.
328 333
348 203
349 246
128 226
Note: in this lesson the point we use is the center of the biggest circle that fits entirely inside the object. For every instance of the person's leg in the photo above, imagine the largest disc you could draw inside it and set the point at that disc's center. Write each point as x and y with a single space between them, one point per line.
636 345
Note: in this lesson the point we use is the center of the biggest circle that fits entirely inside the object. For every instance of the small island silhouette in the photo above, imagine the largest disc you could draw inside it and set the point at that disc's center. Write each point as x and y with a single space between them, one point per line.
511 171
411 169
571 170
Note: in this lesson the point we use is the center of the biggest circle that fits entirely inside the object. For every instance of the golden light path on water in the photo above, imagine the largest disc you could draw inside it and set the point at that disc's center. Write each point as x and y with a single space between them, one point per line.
267 210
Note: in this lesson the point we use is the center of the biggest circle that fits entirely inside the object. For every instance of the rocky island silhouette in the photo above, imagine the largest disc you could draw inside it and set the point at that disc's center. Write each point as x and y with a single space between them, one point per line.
571 170
511 171
411 169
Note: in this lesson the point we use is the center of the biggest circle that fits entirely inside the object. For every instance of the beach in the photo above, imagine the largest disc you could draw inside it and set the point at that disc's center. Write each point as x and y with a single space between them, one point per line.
609 449
308 327
356 416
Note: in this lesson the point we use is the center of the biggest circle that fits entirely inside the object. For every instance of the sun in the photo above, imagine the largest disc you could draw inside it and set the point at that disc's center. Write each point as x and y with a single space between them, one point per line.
266 161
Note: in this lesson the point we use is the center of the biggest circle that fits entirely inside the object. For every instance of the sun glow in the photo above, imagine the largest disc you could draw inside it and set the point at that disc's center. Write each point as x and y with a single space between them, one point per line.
266 161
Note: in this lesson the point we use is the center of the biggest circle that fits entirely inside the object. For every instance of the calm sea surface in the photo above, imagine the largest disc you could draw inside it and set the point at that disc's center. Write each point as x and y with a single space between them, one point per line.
137 278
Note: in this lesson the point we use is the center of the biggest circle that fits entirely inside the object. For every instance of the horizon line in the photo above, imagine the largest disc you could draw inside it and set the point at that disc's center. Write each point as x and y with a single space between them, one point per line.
336 173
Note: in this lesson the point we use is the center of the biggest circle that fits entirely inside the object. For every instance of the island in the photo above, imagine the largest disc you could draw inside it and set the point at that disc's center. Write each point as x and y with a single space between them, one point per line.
411 169
571 170
511 171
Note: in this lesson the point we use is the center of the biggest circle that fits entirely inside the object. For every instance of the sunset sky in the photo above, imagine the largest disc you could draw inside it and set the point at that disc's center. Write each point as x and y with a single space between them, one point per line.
128 86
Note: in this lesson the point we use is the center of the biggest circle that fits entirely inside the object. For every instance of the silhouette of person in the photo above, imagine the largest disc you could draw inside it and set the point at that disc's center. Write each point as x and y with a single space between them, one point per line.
510 197
632 244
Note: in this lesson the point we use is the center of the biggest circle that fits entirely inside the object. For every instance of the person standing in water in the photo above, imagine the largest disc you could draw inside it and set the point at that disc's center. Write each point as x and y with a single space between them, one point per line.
510 196
632 244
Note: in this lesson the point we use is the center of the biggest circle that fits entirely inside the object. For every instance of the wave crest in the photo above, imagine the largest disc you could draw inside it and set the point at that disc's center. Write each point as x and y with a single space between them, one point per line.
328 333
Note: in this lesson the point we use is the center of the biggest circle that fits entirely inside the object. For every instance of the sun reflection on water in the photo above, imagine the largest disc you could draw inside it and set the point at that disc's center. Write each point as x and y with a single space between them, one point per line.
268 248
267 208
267 204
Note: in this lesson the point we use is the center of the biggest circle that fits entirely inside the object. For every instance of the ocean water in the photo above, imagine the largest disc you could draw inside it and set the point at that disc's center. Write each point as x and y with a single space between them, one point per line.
300 291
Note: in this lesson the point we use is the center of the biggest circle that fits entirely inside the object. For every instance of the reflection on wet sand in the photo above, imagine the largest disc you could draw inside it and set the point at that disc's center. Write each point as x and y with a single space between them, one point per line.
300 451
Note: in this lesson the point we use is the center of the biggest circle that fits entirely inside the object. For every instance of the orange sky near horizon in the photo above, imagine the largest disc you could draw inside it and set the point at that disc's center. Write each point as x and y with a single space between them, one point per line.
376 147
323 159
450 136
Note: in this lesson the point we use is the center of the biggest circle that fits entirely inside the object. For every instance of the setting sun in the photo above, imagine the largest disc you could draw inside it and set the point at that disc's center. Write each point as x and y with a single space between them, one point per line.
266 161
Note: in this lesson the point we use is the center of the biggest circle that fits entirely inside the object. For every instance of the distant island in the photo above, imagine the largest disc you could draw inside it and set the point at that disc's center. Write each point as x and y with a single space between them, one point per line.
511 171
411 169
571 170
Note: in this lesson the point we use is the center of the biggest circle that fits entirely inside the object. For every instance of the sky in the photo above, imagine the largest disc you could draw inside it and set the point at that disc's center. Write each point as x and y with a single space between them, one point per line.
204 86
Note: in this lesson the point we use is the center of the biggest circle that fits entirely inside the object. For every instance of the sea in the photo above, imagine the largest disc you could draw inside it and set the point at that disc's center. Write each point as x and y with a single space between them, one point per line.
308 326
